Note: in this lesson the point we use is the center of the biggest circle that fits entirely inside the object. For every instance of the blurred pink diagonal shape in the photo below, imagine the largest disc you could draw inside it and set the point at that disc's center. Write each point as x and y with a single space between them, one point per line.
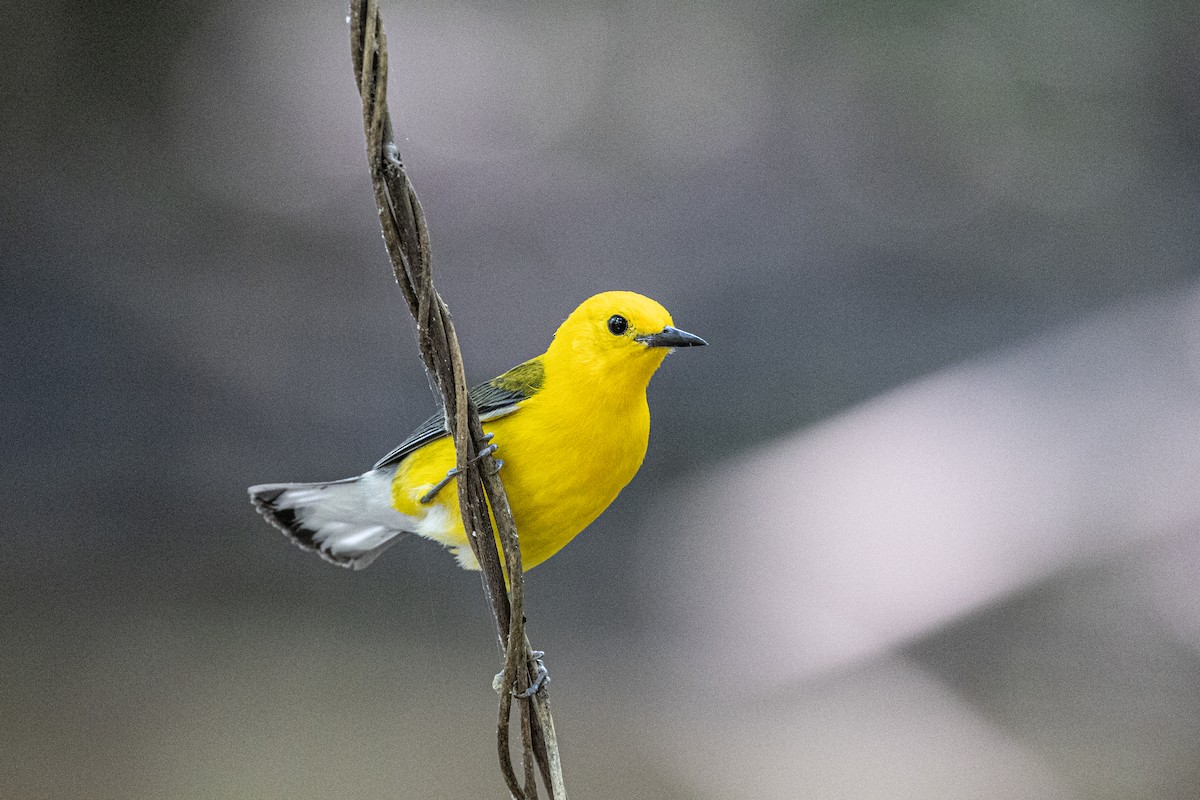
935 499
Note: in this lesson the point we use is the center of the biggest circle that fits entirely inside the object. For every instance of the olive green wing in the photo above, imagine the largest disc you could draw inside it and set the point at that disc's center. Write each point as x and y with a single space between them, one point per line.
496 398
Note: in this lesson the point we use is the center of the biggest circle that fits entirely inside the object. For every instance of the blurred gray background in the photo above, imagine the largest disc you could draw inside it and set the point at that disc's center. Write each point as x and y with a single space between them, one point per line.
921 523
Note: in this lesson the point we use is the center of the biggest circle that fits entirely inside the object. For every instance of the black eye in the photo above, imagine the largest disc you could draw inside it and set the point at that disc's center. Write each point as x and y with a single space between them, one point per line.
617 324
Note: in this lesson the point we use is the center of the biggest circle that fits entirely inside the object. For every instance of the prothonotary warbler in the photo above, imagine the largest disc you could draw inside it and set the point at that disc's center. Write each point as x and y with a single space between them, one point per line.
570 427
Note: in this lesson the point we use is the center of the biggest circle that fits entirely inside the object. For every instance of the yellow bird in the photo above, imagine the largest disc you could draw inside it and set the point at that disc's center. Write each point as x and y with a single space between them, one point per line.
571 427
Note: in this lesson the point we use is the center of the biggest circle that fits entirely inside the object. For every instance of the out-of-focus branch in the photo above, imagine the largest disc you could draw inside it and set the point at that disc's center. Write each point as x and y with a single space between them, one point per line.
479 487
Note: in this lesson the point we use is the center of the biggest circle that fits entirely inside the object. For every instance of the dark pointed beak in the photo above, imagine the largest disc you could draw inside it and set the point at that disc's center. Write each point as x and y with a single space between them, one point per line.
671 337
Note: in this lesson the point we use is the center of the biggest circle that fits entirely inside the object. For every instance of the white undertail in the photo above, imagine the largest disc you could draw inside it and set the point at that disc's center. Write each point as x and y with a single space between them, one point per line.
348 522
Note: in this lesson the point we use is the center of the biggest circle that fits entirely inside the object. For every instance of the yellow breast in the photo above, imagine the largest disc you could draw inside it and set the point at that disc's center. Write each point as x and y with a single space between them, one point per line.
567 454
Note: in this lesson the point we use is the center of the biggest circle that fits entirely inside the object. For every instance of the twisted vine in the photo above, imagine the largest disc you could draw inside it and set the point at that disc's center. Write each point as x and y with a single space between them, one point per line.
480 488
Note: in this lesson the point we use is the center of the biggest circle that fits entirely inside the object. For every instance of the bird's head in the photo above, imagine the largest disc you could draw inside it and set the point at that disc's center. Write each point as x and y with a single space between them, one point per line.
619 337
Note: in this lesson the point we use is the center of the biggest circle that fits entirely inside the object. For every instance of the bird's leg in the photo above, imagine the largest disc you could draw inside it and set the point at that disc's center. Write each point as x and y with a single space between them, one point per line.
542 678
453 472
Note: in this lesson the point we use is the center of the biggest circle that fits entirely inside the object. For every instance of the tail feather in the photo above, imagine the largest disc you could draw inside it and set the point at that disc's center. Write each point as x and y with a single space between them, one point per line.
347 522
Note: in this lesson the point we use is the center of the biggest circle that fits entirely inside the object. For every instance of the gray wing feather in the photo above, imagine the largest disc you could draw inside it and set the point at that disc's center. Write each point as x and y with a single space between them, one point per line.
496 398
